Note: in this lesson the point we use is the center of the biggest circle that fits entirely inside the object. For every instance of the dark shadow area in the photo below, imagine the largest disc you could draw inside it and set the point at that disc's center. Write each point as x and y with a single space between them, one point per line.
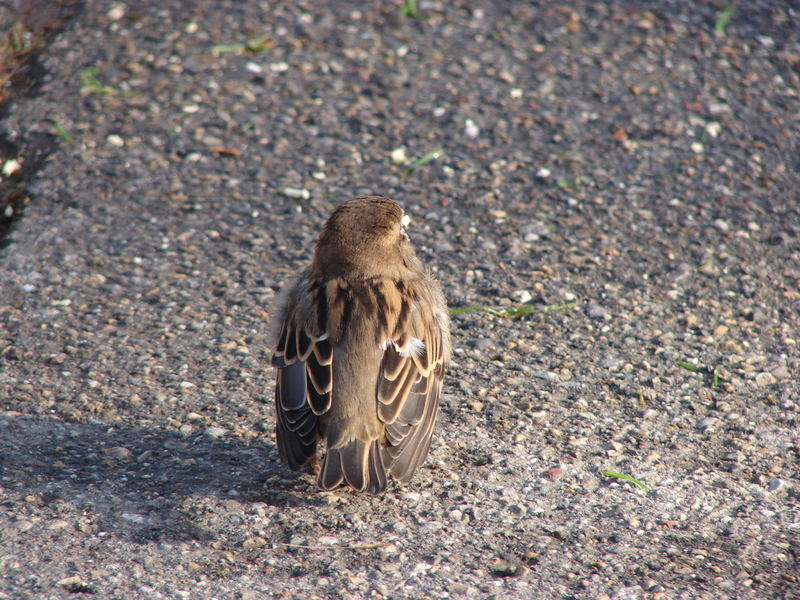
133 482
28 27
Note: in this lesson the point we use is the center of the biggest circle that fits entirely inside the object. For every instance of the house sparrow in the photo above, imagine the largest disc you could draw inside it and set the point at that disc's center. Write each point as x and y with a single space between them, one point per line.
362 339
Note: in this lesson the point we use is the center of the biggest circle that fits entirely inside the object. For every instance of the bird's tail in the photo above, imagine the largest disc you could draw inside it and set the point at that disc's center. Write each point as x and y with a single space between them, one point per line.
357 463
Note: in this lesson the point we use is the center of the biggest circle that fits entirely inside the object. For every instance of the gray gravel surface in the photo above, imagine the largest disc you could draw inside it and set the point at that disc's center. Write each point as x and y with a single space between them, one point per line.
618 161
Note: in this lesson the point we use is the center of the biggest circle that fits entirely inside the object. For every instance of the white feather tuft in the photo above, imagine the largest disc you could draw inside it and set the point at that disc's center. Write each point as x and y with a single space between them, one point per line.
414 348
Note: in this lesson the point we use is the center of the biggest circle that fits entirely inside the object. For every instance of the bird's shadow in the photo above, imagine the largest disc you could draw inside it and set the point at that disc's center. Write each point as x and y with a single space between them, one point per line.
140 483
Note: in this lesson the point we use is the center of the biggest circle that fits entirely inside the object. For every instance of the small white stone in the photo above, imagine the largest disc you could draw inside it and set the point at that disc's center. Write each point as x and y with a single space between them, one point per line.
412 496
291 192
522 296
471 129
116 12
776 485
713 129
766 41
399 156
120 453
328 540
215 432
133 517
11 166
765 379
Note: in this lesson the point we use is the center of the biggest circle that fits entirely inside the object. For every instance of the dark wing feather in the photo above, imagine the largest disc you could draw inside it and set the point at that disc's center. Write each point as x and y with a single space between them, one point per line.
320 376
409 453
408 394
296 428
302 390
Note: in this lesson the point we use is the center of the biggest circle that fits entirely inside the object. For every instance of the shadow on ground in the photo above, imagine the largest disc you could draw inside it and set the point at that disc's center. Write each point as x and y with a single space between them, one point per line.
134 482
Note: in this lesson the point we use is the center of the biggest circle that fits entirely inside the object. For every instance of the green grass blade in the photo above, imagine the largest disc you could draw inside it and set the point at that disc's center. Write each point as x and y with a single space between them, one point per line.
256 45
61 132
409 9
627 478
688 366
724 18
512 313
90 82
227 48
424 159
469 309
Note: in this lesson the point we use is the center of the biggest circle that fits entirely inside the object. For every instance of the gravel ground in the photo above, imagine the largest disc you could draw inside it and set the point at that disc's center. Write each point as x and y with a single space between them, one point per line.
619 163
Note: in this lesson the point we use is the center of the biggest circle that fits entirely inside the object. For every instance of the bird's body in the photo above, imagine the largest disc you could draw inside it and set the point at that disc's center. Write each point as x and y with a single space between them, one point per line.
362 342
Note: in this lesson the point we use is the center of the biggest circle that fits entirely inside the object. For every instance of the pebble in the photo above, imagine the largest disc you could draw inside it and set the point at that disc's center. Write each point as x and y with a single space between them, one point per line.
116 12
765 378
471 129
610 363
460 589
781 372
595 311
399 156
777 485
215 432
120 453
72 582
555 473
23 525
547 375
707 423
522 296
133 517
10 167
328 540
412 497
504 568
291 192
254 542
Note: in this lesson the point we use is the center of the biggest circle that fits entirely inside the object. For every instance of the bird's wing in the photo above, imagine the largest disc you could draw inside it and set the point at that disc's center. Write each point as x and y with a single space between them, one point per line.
409 385
304 358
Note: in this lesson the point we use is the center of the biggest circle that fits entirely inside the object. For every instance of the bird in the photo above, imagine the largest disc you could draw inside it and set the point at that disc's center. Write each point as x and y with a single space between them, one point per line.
361 340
